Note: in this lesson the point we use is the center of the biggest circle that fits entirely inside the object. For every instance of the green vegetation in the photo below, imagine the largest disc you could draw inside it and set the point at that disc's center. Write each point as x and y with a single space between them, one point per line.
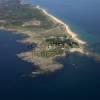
24 13
56 40
57 45
29 18
51 53
61 41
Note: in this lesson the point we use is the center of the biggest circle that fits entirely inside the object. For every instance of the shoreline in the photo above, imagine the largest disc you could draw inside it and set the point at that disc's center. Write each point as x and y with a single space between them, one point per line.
68 30
53 66
45 64
50 64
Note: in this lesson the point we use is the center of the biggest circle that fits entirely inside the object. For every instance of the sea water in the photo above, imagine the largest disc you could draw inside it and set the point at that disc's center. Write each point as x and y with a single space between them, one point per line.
80 77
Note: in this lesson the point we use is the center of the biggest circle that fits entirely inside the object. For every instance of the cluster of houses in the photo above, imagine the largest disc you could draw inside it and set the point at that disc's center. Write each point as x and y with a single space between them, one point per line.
54 42
60 42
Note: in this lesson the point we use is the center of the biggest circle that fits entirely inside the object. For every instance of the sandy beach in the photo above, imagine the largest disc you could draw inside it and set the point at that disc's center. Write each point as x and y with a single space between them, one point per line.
68 30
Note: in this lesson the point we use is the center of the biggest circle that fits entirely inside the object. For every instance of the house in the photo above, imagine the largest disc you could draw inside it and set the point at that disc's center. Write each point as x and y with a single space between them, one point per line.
50 47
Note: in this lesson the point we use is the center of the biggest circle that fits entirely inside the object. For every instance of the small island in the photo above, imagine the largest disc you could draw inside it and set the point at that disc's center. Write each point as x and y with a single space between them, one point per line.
47 36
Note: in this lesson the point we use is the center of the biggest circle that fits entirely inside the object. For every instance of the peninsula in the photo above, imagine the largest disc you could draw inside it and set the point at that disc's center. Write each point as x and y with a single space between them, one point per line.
47 36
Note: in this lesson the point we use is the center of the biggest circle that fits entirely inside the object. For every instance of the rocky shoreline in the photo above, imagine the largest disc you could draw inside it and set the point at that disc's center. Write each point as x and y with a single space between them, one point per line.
45 64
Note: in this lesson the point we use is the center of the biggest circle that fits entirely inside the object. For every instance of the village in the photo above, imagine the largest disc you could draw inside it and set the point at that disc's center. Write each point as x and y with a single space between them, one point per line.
57 45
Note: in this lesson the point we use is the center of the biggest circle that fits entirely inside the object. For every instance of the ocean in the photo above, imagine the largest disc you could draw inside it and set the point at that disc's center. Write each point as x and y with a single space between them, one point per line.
80 77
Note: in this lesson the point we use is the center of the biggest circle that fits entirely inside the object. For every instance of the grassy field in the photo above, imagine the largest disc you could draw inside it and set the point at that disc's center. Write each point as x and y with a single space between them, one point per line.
51 53
17 16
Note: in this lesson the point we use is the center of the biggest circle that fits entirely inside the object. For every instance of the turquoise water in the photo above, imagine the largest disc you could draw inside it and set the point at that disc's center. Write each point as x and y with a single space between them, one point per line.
80 77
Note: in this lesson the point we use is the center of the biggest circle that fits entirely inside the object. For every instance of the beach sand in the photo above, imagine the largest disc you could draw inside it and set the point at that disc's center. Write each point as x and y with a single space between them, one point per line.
68 30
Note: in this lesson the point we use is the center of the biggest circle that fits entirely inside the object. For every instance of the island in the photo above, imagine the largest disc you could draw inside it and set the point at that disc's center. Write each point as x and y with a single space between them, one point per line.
47 36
